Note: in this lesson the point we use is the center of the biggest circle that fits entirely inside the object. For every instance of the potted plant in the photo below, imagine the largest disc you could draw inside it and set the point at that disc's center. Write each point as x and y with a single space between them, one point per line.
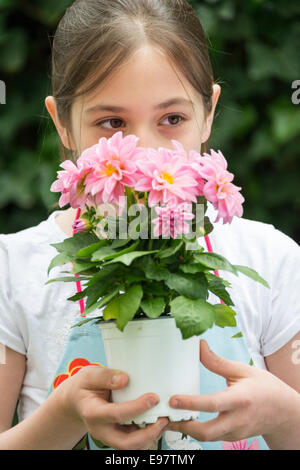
138 250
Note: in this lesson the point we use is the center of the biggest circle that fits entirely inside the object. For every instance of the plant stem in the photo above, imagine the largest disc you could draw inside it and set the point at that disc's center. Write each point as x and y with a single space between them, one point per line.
184 251
145 199
150 244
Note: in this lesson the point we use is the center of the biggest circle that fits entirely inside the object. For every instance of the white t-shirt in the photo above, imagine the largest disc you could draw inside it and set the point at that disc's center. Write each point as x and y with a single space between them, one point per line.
35 318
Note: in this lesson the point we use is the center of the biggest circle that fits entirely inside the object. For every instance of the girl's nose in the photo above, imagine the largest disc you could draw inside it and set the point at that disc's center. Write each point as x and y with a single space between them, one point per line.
146 139
151 139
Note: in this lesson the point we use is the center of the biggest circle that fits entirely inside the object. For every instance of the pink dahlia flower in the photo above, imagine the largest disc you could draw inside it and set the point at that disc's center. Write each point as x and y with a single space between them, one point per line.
172 220
219 189
212 164
180 151
225 198
166 177
71 184
113 167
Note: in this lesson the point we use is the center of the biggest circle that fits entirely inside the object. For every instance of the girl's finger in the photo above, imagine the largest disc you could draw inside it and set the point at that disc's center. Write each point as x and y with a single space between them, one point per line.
100 378
139 439
224 367
228 399
217 429
122 412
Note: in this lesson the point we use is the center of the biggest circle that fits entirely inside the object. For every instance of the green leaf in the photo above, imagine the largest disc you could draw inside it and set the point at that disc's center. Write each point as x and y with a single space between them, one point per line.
87 320
155 288
118 243
59 260
89 250
136 276
154 271
104 272
225 316
78 296
216 286
192 245
72 245
153 307
104 301
190 285
80 266
208 226
252 274
216 262
124 307
176 244
238 335
130 249
68 279
192 316
129 257
102 253
98 290
212 277
192 268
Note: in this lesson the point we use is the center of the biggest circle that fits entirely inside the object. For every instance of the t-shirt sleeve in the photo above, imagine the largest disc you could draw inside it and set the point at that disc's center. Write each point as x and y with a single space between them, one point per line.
282 322
10 334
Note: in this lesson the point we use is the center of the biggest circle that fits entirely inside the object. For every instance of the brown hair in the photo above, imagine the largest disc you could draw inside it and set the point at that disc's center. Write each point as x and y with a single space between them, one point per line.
95 37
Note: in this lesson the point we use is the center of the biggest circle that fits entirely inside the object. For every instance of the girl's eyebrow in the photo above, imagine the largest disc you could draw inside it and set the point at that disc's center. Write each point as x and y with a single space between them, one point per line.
119 109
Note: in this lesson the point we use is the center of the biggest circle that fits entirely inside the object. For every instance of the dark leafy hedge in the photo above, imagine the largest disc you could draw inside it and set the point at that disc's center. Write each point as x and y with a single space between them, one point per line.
254 47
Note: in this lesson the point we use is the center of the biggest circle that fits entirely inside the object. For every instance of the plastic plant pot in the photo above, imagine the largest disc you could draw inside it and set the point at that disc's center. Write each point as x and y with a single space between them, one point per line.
157 360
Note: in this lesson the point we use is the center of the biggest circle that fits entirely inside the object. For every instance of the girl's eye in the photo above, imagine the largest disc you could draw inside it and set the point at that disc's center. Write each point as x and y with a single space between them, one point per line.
115 123
176 116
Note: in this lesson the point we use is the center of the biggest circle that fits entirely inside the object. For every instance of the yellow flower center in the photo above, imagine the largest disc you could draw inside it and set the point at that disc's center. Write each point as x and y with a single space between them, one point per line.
169 178
110 170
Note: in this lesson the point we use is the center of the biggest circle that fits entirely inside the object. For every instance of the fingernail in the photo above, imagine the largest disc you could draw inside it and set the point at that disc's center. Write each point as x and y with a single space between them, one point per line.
152 401
175 403
116 378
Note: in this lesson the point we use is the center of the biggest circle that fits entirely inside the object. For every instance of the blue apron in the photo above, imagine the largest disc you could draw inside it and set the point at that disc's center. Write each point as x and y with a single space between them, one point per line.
85 346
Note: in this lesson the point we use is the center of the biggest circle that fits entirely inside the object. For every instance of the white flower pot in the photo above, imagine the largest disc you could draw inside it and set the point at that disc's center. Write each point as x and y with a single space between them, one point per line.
157 360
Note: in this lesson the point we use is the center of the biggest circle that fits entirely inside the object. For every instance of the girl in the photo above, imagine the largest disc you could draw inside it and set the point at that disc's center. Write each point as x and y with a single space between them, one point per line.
141 66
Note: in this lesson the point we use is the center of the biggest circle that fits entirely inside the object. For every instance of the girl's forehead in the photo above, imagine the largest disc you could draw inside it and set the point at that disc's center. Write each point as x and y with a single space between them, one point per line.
147 78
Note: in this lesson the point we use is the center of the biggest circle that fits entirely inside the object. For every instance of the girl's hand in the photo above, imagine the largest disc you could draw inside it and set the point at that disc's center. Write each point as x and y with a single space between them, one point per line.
255 403
86 397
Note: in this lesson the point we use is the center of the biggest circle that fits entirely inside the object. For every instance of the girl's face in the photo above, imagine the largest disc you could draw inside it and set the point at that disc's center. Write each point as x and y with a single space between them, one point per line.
146 97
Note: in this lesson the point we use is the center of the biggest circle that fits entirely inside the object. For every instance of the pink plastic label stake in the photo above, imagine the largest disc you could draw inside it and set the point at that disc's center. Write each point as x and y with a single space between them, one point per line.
78 283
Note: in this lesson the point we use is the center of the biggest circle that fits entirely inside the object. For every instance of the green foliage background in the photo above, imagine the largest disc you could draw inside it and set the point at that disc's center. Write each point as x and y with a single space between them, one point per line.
254 47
